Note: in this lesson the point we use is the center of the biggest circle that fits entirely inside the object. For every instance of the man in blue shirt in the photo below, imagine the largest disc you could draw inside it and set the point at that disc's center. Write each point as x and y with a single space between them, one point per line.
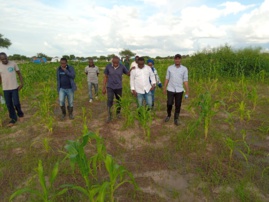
176 76
66 87
112 84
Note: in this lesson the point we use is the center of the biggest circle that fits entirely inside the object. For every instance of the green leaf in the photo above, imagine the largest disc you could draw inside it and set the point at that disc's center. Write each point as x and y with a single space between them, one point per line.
54 173
22 191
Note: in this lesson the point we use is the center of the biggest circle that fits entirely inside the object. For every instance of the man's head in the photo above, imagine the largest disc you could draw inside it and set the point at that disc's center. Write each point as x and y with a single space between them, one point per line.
115 61
63 62
177 59
3 58
136 58
91 63
141 62
150 62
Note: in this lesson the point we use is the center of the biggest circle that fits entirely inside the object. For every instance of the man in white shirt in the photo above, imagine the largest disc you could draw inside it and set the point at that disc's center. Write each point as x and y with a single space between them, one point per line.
176 77
140 83
8 71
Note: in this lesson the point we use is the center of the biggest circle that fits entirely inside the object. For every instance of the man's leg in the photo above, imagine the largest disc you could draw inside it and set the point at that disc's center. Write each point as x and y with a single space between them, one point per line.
148 98
90 91
178 100
110 97
153 96
118 94
70 99
95 85
170 102
16 102
62 102
10 107
140 98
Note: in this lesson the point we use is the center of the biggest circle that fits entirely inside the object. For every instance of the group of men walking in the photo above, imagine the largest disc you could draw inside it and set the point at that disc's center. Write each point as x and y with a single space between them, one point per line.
143 81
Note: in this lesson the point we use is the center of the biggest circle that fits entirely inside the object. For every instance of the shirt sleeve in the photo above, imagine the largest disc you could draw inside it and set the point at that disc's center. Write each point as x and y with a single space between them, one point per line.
106 72
132 75
97 70
125 70
185 75
152 76
86 70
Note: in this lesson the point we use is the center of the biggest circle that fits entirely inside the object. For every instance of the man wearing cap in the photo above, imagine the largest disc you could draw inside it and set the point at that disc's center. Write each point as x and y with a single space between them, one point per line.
150 63
8 70
176 76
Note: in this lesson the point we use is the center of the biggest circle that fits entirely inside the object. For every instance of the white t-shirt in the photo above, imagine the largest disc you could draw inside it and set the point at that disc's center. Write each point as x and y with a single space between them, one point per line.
8 74
92 74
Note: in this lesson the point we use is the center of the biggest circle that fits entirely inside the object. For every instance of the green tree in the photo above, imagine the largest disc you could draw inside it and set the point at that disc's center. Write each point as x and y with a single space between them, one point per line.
102 57
110 56
126 52
4 42
72 57
66 56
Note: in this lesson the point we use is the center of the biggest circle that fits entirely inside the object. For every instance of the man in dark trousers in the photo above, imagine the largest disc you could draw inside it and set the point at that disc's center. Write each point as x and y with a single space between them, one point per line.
112 84
66 87
176 76
8 70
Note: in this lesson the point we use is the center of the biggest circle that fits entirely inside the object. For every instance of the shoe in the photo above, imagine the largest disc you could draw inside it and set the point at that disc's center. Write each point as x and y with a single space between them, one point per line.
167 119
90 100
70 112
63 112
176 122
11 123
21 119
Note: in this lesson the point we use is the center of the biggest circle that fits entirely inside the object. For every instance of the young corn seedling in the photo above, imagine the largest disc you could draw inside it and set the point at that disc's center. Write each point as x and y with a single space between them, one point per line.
243 112
47 192
100 155
118 176
207 110
145 119
234 145
253 97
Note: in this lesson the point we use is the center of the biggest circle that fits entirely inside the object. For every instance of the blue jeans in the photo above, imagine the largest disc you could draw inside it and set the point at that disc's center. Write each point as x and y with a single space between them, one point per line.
66 93
152 94
13 102
95 85
147 97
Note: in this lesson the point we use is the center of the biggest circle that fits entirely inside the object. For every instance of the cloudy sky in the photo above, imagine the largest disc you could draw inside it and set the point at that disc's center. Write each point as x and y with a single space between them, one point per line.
146 27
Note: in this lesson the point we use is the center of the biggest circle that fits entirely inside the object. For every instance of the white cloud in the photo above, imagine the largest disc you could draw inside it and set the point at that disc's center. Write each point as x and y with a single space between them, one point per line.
153 28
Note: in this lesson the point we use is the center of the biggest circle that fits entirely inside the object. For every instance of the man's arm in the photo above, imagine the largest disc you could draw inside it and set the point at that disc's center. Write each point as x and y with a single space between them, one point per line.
104 83
21 80
186 84
70 73
165 85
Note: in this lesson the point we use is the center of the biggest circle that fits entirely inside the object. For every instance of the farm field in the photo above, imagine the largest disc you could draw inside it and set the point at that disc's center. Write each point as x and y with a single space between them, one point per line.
220 151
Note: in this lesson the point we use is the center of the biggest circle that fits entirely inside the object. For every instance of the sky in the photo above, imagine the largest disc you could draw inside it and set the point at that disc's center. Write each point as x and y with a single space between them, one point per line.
146 27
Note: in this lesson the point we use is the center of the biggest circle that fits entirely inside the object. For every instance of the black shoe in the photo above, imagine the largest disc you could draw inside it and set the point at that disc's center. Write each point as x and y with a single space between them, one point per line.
176 122
167 119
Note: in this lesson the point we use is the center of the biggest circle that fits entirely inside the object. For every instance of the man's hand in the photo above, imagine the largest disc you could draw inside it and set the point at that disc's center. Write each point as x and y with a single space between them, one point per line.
63 68
134 93
152 87
104 90
164 91
186 96
20 87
